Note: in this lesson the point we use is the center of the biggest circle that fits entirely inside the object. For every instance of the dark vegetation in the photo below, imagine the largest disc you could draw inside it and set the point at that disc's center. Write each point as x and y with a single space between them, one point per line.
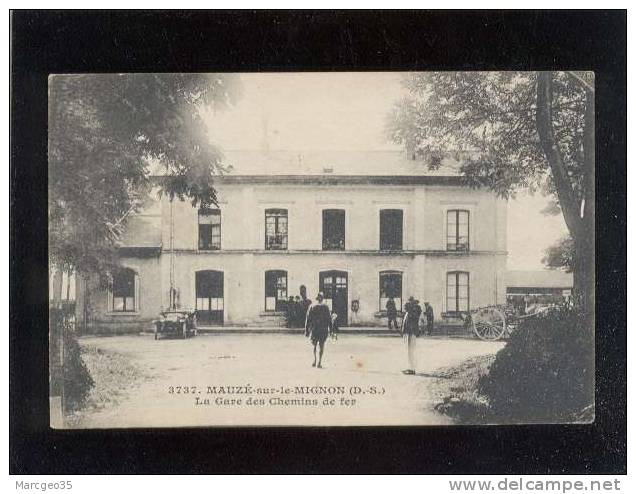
545 374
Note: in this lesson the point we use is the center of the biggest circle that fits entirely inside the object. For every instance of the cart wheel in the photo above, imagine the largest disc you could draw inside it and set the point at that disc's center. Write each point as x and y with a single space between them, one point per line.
489 323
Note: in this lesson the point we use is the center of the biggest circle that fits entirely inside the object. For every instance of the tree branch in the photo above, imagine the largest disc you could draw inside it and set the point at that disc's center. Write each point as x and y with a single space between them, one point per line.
565 192
586 85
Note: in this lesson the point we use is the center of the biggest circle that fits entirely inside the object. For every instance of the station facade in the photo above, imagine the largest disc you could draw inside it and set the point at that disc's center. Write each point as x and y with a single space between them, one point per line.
359 239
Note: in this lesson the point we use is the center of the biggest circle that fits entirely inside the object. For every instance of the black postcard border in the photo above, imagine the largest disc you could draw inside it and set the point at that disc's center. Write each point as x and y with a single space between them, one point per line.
44 42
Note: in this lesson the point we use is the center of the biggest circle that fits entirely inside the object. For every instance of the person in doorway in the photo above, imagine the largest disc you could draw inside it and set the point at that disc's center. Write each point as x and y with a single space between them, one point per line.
317 327
430 318
410 332
391 313
299 315
290 312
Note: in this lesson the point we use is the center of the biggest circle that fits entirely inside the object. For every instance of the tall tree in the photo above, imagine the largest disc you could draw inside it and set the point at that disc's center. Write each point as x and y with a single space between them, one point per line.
512 131
105 131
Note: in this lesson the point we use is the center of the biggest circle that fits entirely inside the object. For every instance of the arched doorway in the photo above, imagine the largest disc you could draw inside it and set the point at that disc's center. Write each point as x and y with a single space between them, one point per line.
209 297
334 284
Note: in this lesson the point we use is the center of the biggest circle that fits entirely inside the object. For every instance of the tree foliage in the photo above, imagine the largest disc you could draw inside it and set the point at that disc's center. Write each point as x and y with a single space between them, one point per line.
488 121
105 131
545 373
511 131
560 255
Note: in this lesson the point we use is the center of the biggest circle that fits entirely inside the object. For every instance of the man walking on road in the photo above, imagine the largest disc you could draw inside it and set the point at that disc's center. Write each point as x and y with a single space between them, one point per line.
410 332
317 326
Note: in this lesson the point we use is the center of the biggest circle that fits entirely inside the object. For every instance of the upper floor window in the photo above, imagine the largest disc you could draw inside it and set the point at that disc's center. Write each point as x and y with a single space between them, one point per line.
391 288
333 229
275 229
457 230
391 229
209 229
275 290
123 291
457 291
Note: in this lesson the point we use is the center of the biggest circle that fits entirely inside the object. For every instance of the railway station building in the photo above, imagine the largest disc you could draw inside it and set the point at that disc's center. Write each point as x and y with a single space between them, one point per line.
359 226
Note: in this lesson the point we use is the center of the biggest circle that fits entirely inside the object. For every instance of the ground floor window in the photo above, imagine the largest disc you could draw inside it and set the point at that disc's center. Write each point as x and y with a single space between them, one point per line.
391 287
275 290
457 292
123 291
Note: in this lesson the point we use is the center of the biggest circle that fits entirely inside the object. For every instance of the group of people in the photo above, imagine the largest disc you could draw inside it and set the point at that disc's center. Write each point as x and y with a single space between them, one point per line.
296 311
320 322
412 308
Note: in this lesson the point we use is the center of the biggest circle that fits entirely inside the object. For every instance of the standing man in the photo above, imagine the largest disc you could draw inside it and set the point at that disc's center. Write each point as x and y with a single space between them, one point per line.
290 312
391 313
430 318
317 326
410 332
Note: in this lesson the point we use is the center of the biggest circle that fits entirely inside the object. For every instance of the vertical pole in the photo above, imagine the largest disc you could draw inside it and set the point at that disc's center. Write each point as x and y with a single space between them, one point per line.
172 297
86 302
62 334
68 285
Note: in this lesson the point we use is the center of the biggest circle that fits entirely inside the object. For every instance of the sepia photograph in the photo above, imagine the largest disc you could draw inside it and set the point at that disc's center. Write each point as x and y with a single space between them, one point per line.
321 249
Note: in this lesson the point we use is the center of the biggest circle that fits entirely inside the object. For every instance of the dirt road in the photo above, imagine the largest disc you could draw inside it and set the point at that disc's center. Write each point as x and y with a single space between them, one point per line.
267 379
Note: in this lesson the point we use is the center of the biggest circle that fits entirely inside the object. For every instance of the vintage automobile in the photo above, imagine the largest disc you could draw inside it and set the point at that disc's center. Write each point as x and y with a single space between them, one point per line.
179 322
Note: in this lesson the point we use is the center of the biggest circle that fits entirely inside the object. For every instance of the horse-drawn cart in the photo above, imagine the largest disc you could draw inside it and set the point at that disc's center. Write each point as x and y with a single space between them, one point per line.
494 322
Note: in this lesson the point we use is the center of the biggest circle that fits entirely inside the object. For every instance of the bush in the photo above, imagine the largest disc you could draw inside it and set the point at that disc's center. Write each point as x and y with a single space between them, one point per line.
77 380
545 373
69 378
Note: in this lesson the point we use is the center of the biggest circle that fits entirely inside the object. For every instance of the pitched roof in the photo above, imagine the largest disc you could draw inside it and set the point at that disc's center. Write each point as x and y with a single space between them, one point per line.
331 162
326 163
540 278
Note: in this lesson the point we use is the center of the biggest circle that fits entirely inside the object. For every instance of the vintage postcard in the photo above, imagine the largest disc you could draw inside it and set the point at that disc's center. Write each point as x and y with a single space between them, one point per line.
321 249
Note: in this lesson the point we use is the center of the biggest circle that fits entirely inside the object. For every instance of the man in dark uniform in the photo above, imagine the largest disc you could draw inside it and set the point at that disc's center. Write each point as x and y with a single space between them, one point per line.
430 318
391 313
317 326
290 312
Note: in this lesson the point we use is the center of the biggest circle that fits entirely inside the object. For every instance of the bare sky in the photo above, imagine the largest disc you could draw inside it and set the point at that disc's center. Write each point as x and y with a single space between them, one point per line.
347 111
310 111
